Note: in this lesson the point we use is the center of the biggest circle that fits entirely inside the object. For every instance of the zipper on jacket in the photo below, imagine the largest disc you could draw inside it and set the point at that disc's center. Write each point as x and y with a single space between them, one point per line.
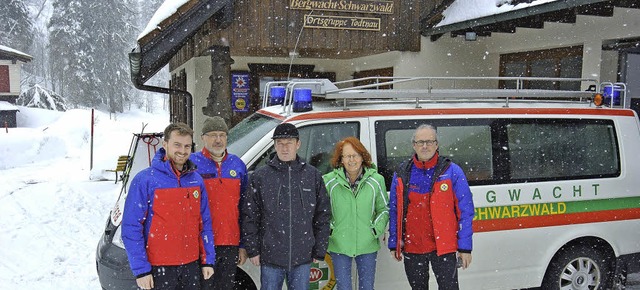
290 217
219 169
300 195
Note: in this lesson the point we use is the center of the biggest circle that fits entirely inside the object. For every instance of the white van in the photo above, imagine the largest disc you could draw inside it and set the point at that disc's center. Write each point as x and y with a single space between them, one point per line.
555 178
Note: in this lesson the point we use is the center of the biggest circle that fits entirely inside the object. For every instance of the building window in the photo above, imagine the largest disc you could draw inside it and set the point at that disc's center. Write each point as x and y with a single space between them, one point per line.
552 63
4 79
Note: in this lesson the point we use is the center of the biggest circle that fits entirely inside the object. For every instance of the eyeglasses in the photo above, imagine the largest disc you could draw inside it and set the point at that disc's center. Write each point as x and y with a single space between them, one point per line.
427 142
352 156
214 136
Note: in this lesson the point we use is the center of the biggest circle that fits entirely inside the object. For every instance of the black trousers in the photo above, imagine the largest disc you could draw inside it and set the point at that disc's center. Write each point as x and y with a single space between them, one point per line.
183 277
224 274
416 266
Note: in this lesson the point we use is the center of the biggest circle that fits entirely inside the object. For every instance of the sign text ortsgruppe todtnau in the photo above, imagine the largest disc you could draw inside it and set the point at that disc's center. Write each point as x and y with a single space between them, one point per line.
340 22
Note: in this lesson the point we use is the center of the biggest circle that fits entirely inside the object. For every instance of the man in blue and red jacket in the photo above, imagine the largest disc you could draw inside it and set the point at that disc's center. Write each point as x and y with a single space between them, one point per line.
431 212
225 177
166 224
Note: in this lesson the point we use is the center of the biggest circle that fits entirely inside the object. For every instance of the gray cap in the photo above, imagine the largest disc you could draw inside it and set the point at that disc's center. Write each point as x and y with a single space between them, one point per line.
216 123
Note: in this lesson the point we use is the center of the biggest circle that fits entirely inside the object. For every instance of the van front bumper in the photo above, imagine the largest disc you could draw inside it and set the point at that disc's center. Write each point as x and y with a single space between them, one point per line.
113 268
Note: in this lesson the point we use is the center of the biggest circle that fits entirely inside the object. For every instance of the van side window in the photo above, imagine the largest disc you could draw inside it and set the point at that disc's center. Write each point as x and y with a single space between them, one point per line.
317 143
548 149
467 143
504 150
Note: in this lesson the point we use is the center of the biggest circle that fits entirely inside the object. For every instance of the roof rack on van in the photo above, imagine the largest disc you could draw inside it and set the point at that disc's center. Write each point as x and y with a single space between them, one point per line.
444 89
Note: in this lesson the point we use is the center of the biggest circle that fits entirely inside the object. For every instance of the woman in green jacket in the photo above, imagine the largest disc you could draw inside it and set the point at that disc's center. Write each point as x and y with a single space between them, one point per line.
359 213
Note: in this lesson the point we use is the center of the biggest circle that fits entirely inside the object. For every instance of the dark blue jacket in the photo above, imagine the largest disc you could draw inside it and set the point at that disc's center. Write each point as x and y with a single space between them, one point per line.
286 213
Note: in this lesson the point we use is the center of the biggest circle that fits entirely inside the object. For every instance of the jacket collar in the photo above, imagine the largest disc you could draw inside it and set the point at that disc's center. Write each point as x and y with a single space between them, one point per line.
366 172
297 163
163 164
207 154
431 163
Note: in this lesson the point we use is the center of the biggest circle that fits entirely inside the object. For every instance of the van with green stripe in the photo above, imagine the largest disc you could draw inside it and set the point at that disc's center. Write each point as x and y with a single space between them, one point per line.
554 173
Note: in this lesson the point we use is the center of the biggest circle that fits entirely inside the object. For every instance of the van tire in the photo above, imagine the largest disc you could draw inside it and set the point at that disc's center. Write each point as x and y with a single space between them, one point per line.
243 281
579 267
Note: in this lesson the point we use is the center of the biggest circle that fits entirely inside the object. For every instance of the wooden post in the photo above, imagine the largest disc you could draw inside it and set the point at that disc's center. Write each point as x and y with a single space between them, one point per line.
91 146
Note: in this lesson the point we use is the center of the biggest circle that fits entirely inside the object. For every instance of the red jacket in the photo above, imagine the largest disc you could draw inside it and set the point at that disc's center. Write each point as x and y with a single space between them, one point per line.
450 206
224 184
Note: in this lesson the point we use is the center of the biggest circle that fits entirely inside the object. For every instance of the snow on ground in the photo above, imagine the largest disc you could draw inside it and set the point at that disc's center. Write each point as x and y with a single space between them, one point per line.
53 208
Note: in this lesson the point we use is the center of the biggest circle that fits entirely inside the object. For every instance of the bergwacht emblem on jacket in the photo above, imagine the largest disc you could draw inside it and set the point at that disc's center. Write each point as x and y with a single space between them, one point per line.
444 187
196 194
233 173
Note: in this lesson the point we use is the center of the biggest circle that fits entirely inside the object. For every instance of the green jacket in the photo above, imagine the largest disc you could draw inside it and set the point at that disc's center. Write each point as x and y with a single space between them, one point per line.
357 220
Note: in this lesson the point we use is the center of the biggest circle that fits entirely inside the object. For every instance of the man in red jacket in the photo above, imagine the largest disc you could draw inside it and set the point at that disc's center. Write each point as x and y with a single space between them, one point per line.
431 212
225 177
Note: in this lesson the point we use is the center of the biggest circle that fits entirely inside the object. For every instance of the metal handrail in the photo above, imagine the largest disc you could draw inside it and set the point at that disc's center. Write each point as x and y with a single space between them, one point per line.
437 88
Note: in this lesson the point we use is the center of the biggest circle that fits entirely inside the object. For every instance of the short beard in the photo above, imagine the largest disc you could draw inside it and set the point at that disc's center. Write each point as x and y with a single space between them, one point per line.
217 152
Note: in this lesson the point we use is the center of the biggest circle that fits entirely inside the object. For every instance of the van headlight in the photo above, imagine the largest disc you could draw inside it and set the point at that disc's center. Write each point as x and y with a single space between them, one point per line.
117 238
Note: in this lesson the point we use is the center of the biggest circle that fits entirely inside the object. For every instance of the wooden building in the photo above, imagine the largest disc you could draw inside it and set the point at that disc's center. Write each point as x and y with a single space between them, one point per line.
221 52
11 62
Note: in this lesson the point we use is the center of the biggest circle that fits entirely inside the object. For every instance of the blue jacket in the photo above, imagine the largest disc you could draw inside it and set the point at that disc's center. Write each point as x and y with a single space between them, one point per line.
451 204
166 219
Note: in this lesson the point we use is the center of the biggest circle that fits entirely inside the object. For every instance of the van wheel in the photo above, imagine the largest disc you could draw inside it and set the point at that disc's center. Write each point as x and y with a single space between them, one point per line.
579 268
243 281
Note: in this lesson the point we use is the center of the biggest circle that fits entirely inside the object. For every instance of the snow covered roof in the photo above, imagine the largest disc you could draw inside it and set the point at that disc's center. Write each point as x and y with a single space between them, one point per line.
462 10
486 16
170 28
6 106
13 53
168 8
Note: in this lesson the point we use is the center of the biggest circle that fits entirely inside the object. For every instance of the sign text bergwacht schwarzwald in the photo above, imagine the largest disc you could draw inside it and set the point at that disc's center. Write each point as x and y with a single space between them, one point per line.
354 6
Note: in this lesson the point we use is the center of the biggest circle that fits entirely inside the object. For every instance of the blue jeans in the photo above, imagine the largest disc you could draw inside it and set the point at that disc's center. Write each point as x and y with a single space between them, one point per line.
272 277
366 264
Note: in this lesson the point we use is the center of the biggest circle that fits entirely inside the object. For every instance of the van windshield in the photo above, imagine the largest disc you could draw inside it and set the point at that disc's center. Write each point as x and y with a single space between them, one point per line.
247 133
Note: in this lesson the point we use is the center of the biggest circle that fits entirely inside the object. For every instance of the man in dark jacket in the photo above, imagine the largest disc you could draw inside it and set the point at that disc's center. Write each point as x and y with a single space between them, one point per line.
431 212
285 215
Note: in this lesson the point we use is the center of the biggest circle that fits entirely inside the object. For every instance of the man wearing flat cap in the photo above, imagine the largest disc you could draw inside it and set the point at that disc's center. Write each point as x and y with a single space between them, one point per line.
225 177
285 215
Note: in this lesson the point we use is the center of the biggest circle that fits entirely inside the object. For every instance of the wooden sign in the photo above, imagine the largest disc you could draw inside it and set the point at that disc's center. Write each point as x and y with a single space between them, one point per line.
340 22
353 6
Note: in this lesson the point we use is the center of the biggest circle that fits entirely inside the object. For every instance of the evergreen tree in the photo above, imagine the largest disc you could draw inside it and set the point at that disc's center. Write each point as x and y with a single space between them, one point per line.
145 99
71 53
15 25
89 42
37 71
113 38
